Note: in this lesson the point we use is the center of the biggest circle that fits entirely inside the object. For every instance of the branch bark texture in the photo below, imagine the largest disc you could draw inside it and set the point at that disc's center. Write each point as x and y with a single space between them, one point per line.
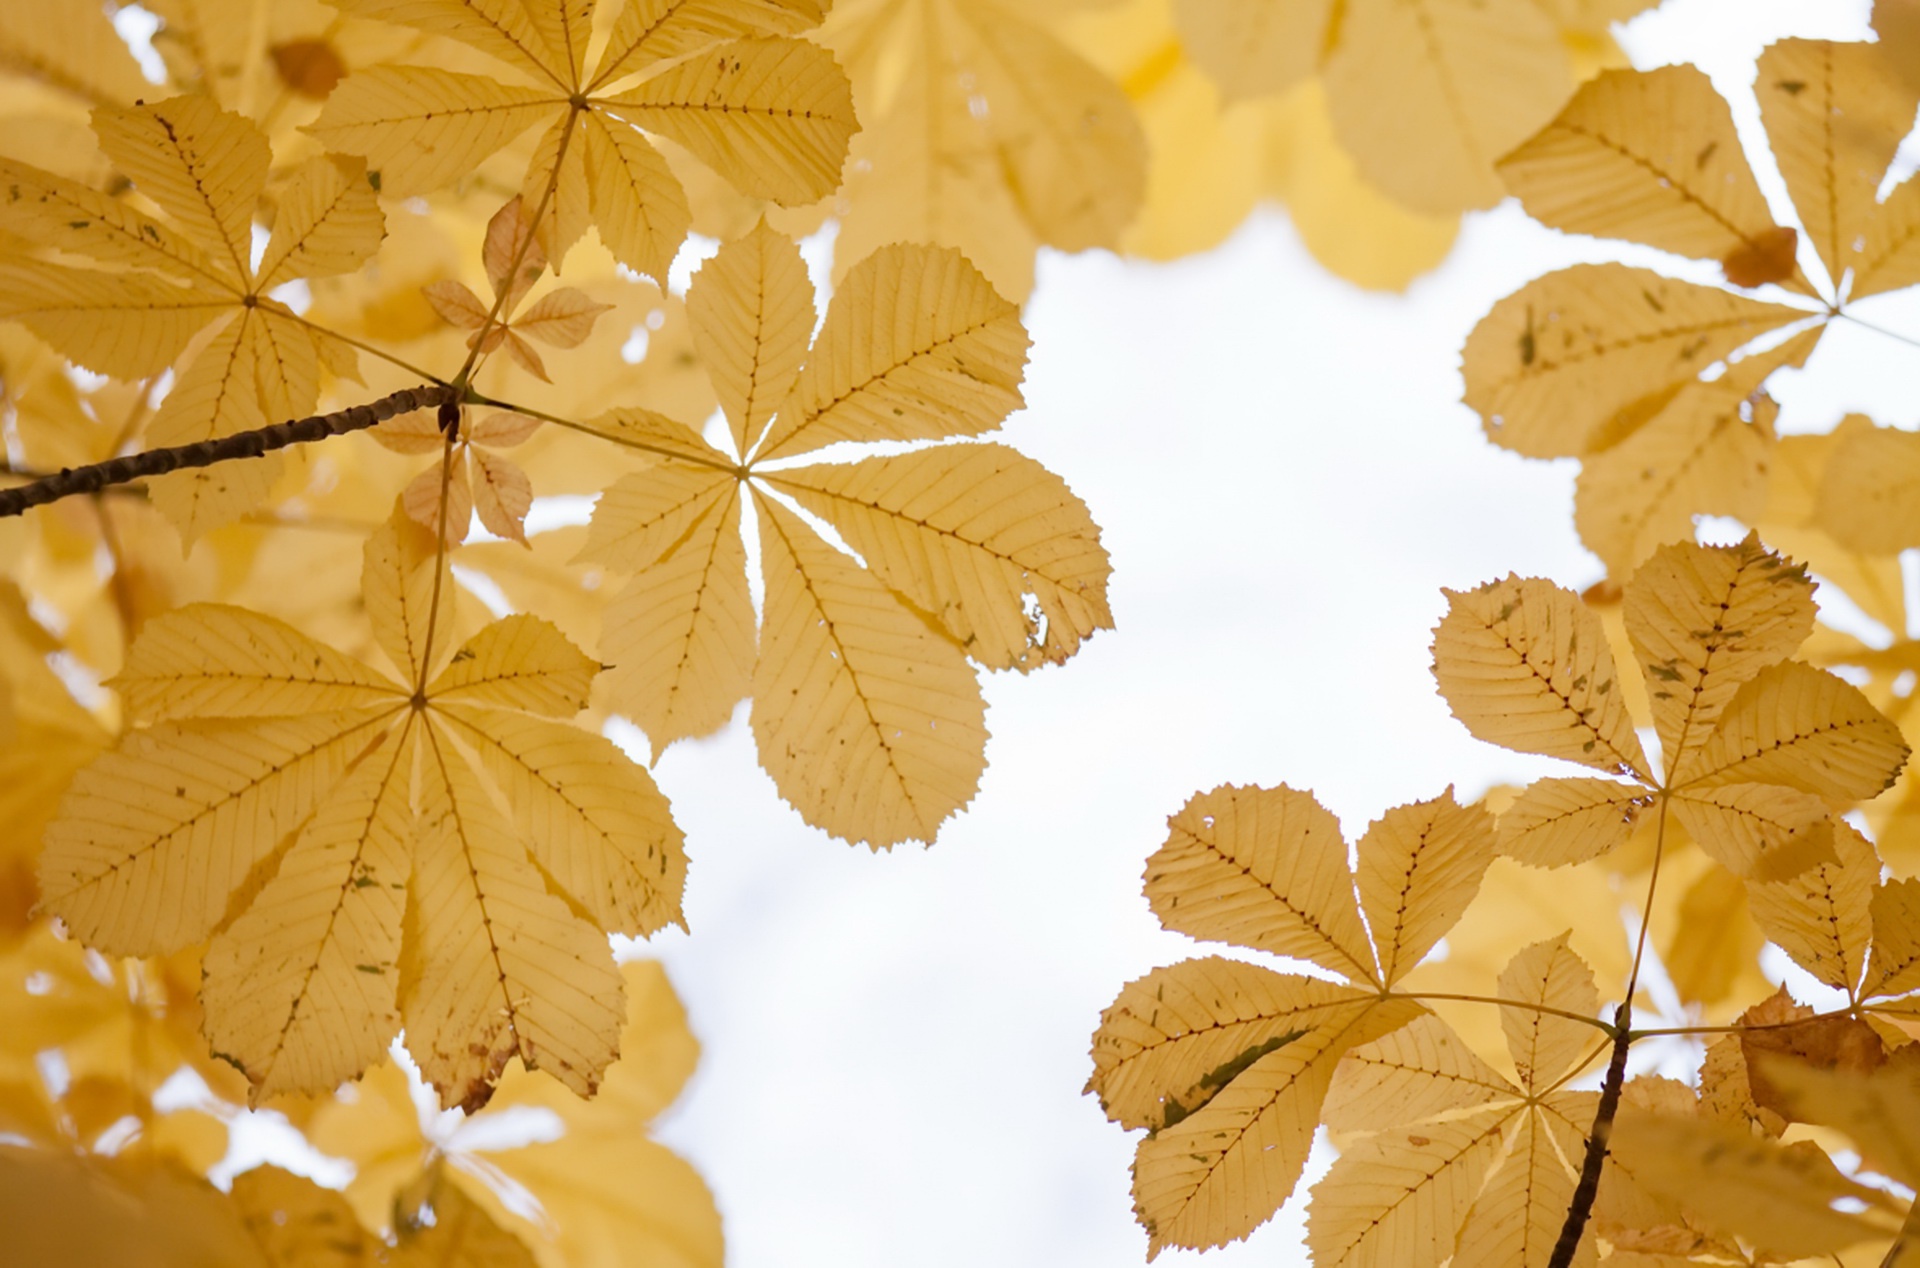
1589 1186
206 453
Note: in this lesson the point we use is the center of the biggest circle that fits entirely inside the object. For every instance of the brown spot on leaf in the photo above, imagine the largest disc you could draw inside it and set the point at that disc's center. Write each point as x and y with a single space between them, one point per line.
1767 258
310 68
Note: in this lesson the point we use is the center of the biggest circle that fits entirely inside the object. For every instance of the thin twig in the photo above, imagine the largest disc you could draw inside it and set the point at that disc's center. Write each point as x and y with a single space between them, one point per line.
206 453
1589 1186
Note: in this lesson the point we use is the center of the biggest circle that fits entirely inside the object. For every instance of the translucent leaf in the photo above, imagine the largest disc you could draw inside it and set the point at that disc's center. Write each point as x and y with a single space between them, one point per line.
518 662
651 31
328 223
1703 620
1251 48
1420 1071
1174 1038
681 634
973 535
301 990
505 29
297 1222
1524 664
649 432
1890 259
218 395
502 495
1545 1046
127 325
1420 866
63 1208
1517 1218
462 1233
871 725
213 660
562 318
1878 1111
596 822
1426 96
1835 114
421 128
1866 500
1756 830
53 211
1263 868
1803 727
1651 157
916 346
1894 966
1396 1199
204 167
1222 1171
643 518
772 116
1822 916
1559 822
409 597
752 311
72 47
1555 362
495 966
635 198
154 836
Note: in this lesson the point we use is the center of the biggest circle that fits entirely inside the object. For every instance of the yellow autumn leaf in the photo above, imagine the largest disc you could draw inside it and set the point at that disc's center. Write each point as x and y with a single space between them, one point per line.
461 1232
1557 822
1524 664
1822 916
1865 500
295 1221
1398 1197
1419 867
1251 48
1546 1046
752 310
1517 1218
1264 868
1878 1110
1893 966
1421 1071
1802 727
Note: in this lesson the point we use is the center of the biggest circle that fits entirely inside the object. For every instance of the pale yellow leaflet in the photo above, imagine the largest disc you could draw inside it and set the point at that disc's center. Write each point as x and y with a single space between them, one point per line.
421 128
1780 1200
56 212
1071 151
1251 48
595 821
1516 1220
1880 1111
871 725
1697 456
154 836
408 593
1756 830
644 517
1890 259
634 197
1419 868
772 116
569 207
1710 946
518 662
205 168
916 346
218 395
1175 1038
972 534
1420 1071
1263 868
301 990
1396 1199
1552 364
1704 620
651 432
681 633
1524 664
1894 965
505 29
1219 1173
128 325
1835 114
1822 917
328 223
1866 500
1426 94
1559 822
502 495
1650 157
73 47
422 501
752 312
650 31
1803 727
213 660
1545 1046
495 966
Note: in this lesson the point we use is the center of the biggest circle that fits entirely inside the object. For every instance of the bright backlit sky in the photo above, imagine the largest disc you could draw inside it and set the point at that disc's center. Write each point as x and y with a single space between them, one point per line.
895 1045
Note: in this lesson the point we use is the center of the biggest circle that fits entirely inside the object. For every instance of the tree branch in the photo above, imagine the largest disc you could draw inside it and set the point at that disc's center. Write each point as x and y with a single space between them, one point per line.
206 453
1589 1186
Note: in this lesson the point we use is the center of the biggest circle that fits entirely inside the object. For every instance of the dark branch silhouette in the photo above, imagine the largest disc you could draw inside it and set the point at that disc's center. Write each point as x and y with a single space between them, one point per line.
1589 1186
206 453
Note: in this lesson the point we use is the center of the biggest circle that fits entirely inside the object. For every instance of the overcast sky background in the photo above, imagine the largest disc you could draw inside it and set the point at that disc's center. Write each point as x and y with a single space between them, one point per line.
895 1045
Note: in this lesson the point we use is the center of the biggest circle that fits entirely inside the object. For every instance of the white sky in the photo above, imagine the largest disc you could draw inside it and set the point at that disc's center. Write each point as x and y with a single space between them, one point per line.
895 1045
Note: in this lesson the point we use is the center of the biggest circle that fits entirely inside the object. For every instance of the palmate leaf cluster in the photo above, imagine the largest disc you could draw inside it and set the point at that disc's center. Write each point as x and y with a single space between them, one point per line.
1230 1065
